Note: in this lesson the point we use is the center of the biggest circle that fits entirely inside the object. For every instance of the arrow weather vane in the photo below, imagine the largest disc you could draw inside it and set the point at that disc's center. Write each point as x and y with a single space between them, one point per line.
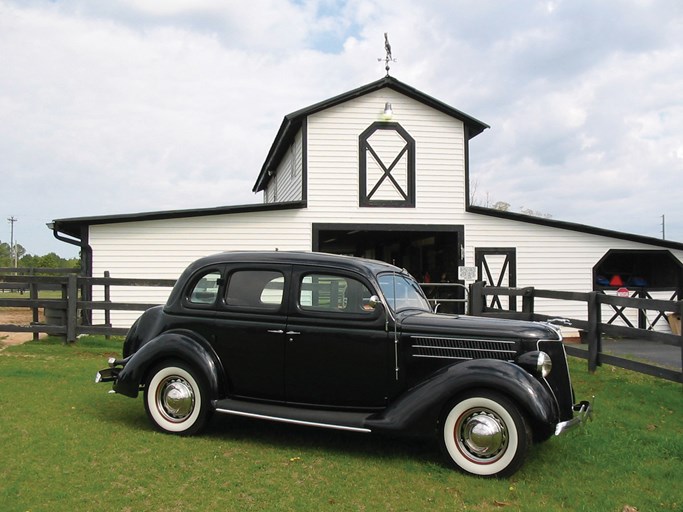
388 58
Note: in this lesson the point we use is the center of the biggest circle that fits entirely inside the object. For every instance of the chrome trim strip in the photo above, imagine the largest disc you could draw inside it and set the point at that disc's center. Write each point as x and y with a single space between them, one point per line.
294 422
463 339
467 348
453 357
444 357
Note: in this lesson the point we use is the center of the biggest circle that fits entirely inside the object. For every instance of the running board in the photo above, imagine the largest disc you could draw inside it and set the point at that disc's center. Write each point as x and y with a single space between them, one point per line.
338 420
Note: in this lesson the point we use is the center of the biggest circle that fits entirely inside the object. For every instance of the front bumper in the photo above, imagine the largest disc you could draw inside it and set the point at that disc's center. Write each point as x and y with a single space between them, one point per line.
583 411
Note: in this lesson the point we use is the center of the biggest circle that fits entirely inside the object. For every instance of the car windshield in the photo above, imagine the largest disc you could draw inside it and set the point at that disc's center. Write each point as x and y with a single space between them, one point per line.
402 292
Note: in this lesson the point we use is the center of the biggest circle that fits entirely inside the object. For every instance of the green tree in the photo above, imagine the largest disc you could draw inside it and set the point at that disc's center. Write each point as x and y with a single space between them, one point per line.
5 260
49 260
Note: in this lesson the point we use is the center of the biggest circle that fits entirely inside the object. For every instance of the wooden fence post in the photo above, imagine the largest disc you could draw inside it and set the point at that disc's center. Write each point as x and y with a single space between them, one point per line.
71 308
476 298
107 298
528 303
593 334
680 320
33 294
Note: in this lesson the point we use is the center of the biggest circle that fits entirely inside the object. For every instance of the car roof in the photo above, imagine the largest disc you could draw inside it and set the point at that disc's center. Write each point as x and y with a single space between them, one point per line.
363 266
337 261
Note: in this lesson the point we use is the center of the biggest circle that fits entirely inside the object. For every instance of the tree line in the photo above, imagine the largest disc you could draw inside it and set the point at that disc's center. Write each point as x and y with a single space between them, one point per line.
26 260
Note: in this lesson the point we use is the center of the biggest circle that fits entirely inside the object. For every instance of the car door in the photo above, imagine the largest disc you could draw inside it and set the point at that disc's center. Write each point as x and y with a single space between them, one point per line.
337 349
250 325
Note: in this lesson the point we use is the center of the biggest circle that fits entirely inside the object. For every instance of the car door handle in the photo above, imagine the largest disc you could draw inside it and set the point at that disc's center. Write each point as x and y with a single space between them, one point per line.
276 331
292 333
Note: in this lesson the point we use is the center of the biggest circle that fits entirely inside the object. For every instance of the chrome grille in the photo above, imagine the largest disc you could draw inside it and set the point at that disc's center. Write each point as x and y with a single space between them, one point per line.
463 348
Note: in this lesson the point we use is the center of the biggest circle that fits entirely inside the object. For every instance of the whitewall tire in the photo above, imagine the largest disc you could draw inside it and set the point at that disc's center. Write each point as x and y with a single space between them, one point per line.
176 399
485 434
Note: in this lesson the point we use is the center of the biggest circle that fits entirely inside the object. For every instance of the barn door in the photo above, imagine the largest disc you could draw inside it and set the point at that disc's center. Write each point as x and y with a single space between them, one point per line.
498 267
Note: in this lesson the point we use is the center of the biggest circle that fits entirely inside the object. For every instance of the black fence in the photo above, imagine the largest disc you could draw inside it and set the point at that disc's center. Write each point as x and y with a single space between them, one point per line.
69 313
485 301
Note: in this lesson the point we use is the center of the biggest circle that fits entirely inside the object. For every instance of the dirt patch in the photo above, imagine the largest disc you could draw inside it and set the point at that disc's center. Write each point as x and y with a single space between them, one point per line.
17 316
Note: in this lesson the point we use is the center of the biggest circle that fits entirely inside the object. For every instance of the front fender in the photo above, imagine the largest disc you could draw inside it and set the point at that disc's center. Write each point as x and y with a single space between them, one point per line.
418 410
183 345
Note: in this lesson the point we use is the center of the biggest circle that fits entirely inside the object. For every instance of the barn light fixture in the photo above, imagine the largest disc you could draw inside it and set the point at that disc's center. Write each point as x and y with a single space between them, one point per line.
388 112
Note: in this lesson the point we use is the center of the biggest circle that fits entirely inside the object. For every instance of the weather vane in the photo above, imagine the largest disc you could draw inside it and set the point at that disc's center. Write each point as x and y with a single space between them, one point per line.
388 58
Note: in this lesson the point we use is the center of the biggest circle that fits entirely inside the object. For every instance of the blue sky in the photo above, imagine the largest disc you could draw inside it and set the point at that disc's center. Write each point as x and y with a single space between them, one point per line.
128 106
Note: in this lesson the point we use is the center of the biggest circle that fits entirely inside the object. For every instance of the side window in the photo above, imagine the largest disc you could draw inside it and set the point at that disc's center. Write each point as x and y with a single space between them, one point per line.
334 294
255 289
205 290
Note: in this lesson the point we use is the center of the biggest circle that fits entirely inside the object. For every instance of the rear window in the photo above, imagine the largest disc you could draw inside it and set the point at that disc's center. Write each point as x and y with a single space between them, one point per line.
205 290
255 289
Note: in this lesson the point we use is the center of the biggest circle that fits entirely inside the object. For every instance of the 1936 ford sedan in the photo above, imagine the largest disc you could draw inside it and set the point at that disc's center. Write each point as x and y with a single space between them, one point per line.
345 343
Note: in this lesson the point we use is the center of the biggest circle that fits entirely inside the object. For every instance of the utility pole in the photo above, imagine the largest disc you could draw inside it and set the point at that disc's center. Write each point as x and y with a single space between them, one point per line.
663 227
12 248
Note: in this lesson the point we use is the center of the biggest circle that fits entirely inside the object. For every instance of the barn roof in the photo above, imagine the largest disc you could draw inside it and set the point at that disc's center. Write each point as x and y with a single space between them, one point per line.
572 226
292 122
74 226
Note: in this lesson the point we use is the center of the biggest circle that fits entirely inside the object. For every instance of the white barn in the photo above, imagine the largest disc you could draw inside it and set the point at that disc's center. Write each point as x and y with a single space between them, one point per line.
380 172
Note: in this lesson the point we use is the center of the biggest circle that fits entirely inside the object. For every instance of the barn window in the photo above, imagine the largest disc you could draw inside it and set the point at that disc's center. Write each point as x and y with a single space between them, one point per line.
386 166
652 270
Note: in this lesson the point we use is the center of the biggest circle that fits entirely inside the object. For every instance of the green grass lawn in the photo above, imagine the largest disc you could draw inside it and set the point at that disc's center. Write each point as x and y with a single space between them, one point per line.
68 445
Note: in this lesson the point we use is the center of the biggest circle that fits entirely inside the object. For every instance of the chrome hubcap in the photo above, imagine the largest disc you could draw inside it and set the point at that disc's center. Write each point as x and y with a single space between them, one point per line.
175 399
482 436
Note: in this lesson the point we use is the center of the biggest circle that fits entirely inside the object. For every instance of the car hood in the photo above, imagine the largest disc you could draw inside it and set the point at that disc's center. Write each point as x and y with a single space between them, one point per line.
476 326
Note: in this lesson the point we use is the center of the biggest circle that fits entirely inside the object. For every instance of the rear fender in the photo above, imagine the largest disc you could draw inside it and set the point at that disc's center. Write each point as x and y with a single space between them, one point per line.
146 327
183 345
418 410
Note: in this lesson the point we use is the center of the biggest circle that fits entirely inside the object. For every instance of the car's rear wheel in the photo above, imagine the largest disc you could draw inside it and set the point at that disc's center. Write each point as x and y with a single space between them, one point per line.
176 398
485 434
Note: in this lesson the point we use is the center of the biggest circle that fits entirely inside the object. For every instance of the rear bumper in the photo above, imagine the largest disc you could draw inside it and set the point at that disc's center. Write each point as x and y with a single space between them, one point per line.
107 375
111 374
583 411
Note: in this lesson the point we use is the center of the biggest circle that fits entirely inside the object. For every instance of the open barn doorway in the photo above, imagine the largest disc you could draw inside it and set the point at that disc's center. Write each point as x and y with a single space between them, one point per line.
639 269
432 254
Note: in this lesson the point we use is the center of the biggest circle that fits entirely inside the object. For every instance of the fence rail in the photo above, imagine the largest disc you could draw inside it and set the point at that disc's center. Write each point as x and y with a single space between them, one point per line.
70 314
593 327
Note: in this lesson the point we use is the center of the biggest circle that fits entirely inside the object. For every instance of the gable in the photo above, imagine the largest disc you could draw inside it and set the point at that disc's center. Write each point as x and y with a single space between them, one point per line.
293 122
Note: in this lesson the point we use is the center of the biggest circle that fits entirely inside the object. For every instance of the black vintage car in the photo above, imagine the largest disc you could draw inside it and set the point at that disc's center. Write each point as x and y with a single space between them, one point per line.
346 343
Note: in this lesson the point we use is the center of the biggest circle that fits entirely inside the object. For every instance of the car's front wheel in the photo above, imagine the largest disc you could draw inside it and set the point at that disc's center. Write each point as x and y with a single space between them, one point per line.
485 434
176 399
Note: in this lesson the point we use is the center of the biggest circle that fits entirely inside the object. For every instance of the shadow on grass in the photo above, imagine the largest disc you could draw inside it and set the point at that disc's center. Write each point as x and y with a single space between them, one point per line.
293 437
129 415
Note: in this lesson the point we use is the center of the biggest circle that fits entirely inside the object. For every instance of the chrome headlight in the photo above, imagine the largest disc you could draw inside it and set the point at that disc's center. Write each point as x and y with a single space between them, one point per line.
537 362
